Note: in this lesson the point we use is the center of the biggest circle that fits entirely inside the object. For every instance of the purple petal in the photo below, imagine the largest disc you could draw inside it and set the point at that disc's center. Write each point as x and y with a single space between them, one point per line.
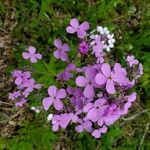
65 47
74 23
132 97
18 81
81 81
90 73
58 104
96 134
64 56
103 129
55 127
84 26
39 56
100 79
52 90
57 54
87 107
33 59
92 115
27 74
89 91
26 55
79 128
106 69
31 49
61 93
70 29
81 33
58 43
110 87
47 102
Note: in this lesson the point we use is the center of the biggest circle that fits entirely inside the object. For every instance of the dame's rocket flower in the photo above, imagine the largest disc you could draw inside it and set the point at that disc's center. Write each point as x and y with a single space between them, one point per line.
80 29
61 51
54 98
31 55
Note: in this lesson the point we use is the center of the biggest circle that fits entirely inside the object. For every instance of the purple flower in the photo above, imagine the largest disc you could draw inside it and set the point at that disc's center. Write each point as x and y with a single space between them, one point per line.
98 47
31 54
14 95
132 61
66 75
21 77
87 82
111 114
109 78
95 111
131 98
54 98
60 121
61 51
21 102
86 125
83 47
80 29
30 85
97 133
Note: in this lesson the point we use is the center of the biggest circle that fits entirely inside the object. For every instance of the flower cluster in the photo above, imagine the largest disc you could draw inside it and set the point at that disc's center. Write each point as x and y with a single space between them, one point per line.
25 85
99 93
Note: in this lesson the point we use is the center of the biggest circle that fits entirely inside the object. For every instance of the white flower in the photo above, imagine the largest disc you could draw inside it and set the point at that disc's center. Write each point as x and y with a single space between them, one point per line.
33 108
37 111
49 117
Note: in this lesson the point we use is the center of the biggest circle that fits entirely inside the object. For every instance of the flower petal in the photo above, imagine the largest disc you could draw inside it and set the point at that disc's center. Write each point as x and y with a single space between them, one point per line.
81 33
64 56
33 59
89 91
57 54
31 49
65 47
110 87
70 29
47 102
58 43
52 90
100 79
84 26
58 104
106 69
81 81
18 81
74 23
39 56
61 93
26 55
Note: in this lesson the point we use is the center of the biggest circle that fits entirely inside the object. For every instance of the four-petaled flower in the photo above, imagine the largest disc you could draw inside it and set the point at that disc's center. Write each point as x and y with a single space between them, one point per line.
109 78
31 54
80 29
87 82
132 61
54 98
61 51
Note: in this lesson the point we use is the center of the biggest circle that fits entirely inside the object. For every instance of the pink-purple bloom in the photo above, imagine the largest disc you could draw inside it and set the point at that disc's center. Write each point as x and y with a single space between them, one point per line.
55 97
32 55
79 29
62 50
110 78
88 82
132 61
83 47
